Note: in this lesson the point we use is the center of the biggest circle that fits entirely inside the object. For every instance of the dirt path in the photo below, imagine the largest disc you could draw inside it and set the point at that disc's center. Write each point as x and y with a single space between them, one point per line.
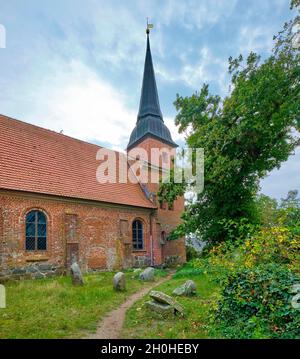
110 327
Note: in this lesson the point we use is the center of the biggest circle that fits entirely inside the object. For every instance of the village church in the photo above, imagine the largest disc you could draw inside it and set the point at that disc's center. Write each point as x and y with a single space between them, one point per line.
53 210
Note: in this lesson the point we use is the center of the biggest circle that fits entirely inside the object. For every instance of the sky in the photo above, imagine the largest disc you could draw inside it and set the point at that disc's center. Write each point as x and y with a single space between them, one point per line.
76 66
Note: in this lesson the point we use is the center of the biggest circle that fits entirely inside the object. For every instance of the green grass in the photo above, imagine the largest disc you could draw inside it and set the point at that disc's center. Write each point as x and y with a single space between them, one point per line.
141 323
54 308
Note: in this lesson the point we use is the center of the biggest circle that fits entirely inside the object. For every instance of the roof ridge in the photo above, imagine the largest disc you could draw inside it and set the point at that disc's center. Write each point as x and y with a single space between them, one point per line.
54 132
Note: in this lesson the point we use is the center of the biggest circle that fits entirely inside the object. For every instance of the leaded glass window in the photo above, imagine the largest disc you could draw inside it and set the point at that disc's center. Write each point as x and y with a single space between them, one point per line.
137 234
36 231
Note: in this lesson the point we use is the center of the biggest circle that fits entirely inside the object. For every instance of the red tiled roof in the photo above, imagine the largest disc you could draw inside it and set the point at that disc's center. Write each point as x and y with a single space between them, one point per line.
37 160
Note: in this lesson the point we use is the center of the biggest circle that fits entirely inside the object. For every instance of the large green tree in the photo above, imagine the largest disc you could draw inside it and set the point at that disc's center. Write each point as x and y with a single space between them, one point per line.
244 135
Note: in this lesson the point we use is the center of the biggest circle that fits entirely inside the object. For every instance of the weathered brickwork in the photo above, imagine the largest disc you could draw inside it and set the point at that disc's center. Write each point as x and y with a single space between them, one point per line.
166 219
102 233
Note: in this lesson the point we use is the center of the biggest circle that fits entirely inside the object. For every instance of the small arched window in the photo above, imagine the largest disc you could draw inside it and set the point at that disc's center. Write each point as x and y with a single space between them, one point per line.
137 235
36 231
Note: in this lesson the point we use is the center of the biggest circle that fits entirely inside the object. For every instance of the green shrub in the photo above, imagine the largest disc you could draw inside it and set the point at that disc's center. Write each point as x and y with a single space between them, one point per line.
191 253
256 303
277 244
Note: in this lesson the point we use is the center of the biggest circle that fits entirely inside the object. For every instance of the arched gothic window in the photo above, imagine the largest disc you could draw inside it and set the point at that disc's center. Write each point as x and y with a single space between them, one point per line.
36 231
137 234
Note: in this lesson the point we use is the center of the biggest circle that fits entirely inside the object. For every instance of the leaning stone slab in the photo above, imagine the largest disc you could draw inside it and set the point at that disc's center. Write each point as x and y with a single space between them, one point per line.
147 274
186 289
119 281
76 274
160 308
163 298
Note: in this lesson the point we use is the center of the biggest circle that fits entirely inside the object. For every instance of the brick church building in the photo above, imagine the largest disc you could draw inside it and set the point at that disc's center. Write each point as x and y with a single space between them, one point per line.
53 209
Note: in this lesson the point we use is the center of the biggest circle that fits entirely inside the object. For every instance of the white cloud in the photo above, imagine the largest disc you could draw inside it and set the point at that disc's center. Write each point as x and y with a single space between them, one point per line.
207 69
193 14
77 101
118 33
256 39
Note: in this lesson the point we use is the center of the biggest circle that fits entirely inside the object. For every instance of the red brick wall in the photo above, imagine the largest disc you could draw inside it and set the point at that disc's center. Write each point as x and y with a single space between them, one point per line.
166 219
103 242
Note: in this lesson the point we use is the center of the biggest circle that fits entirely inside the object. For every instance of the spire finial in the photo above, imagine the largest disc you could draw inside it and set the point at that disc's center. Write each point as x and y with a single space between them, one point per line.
149 26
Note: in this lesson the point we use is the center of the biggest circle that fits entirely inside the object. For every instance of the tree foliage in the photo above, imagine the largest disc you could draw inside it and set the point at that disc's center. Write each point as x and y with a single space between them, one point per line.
267 209
245 136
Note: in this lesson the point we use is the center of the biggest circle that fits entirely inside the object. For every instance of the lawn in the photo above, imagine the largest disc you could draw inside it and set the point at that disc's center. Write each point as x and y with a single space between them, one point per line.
54 308
141 323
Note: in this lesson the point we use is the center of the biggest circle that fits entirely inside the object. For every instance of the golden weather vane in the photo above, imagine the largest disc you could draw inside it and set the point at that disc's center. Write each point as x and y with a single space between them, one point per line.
149 26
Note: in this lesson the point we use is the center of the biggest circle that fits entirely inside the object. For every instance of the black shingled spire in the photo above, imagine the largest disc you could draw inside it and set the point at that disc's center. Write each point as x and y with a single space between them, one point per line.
149 120
149 102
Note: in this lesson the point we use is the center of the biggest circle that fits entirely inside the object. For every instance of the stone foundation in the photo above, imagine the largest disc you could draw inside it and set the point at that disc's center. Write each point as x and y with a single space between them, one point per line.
32 271
141 261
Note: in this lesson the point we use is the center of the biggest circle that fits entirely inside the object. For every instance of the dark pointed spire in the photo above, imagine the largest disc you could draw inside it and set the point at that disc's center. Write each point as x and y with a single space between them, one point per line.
150 119
149 102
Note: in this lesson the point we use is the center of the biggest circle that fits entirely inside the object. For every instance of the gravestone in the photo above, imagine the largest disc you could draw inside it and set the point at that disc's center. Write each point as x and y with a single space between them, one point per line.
76 274
163 298
186 289
119 281
160 308
147 274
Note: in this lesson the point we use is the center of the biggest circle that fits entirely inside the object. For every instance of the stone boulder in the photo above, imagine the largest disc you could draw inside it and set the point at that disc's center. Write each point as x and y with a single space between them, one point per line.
119 281
165 299
160 308
147 274
76 275
186 289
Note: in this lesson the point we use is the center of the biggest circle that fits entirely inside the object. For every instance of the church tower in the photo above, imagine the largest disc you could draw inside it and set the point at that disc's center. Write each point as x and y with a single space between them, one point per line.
150 123
151 133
